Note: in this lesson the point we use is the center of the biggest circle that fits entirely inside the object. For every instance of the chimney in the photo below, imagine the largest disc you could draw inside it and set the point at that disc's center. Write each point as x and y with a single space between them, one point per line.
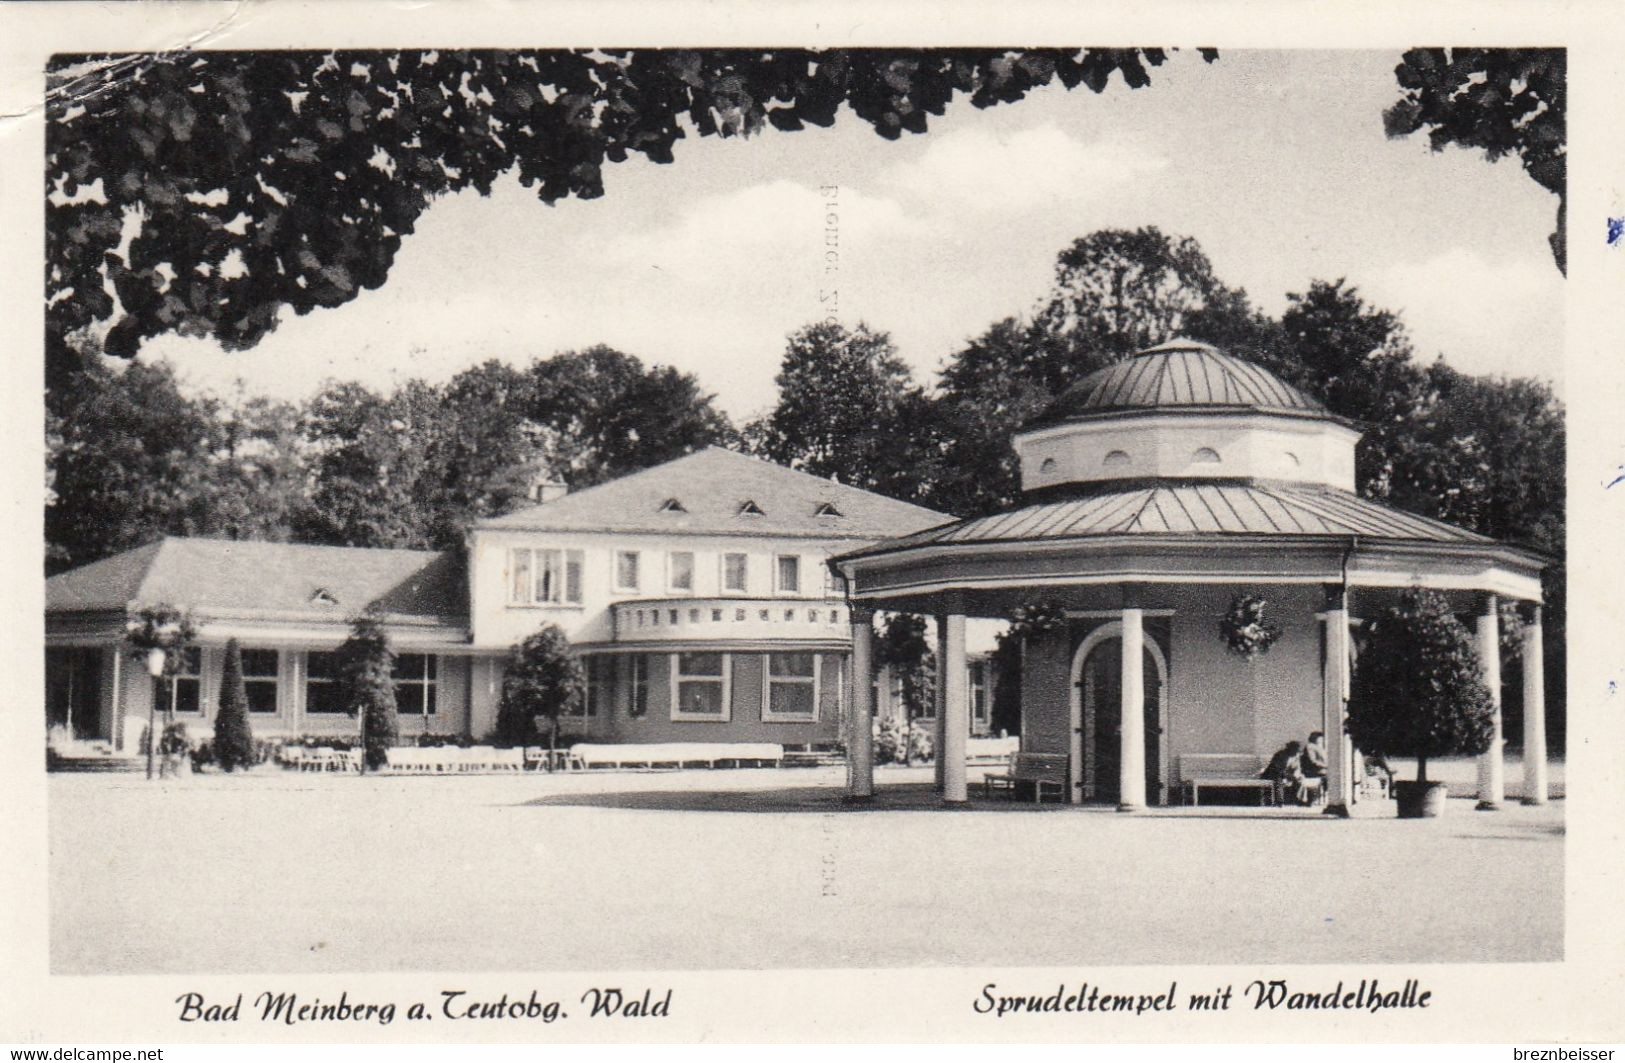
544 491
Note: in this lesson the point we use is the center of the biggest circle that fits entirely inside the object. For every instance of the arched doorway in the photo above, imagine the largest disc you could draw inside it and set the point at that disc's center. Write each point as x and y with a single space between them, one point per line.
1097 692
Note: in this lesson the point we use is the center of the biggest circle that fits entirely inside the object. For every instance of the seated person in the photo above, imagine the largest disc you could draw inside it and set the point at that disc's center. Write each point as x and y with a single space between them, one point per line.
1376 767
1285 769
1314 756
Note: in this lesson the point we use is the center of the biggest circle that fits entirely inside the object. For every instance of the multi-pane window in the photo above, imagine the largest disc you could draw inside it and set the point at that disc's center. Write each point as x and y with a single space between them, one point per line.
700 687
600 688
734 573
415 682
182 690
788 572
978 693
322 683
626 570
544 577
792 687
260 675
638 704
681 575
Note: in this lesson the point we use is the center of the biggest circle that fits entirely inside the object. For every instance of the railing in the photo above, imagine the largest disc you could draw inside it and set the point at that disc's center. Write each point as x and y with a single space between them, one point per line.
650 620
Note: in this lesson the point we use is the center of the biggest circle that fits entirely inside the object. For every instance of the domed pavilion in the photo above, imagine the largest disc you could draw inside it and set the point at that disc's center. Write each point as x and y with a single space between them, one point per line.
1160 494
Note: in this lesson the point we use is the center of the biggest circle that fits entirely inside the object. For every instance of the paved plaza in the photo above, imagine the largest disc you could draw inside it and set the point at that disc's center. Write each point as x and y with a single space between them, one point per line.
287 872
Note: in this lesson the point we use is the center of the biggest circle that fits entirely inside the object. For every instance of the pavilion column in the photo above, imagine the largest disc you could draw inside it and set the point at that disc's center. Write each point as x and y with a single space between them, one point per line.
954 721
1491 773
1334 700
1131 757
1534 710
940 704
860 743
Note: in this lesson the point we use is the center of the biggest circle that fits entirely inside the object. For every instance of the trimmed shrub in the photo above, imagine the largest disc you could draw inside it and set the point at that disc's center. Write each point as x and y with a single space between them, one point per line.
233 737
367 680
543 678
1418 690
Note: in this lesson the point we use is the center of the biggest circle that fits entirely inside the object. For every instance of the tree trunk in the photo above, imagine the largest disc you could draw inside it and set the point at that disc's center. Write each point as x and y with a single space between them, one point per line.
552 741
1421 771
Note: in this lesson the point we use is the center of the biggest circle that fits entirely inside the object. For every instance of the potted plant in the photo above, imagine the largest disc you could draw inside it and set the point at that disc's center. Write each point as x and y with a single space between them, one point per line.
1418 692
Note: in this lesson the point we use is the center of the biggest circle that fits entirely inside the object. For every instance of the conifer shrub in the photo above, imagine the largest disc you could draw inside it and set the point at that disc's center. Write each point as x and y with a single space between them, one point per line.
233 745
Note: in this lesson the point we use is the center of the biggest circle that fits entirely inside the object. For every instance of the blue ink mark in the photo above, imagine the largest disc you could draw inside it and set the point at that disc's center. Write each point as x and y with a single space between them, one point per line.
1613 688
1616 230
1617 479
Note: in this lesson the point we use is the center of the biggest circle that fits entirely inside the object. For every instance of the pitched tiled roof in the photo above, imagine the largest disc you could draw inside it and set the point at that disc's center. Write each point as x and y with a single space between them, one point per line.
1180 373
331 583
713 489
1197 508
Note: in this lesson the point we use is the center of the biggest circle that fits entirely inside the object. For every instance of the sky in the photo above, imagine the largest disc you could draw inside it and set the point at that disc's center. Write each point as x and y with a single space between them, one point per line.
1275 162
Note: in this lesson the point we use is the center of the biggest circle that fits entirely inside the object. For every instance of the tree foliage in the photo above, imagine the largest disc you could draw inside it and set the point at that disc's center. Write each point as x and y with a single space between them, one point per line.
601 413
263 180
367 685
1418 690
544 678
233 735
902 646
1117 291
849 410
1502 101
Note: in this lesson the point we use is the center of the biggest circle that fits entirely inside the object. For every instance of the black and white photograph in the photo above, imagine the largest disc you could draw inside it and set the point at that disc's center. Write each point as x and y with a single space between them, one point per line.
658 507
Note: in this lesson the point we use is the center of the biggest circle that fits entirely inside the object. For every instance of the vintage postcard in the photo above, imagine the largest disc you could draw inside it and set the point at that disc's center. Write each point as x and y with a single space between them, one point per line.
560 522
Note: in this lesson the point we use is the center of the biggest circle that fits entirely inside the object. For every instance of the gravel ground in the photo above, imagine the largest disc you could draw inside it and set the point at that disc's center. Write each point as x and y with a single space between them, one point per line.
284 872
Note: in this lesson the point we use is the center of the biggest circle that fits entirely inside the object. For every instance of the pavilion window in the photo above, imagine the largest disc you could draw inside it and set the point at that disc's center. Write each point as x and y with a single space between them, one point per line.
416 679
322 692
788 573
792 687
978 692
680 575
185 686
639 702
734 573
700 687
544 576
600 686
626 570
261 677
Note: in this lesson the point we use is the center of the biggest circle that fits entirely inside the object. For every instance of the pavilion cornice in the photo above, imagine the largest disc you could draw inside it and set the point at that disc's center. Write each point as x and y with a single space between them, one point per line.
1213 558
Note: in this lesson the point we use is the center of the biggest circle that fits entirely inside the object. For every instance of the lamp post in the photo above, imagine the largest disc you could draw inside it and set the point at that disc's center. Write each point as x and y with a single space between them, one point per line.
156 660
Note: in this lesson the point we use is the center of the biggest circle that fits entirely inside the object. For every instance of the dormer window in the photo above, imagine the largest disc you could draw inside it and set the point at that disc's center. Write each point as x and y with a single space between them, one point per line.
323 596
1047 465
827 509
1115 457
672 505
1205 456
750 509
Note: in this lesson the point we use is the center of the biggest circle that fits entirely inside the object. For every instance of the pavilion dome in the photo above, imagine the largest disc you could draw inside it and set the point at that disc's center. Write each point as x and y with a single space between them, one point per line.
1184 410
1181 373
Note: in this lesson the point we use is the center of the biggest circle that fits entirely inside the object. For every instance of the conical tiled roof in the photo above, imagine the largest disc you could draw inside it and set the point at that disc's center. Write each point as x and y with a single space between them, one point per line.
1179 373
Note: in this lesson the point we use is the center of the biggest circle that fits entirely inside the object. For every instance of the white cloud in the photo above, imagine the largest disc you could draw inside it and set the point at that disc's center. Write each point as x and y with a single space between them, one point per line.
1484 316
982 170
782 224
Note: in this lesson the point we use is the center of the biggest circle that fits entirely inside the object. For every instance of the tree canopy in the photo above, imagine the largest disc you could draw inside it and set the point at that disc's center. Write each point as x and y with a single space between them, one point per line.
262 180
1417 691
1503 101
848 410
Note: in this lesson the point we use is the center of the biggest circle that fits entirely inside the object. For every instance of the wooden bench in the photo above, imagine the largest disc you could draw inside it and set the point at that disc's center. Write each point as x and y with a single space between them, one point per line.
991 750
1234 771
1039 769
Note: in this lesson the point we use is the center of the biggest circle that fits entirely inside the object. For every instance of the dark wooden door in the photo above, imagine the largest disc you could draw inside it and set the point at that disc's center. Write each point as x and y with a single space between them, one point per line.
1102 683
73 689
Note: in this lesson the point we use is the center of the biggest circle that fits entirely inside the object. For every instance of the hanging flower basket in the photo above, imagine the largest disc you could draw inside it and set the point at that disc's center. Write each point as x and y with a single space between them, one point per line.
1244 628
1038 618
